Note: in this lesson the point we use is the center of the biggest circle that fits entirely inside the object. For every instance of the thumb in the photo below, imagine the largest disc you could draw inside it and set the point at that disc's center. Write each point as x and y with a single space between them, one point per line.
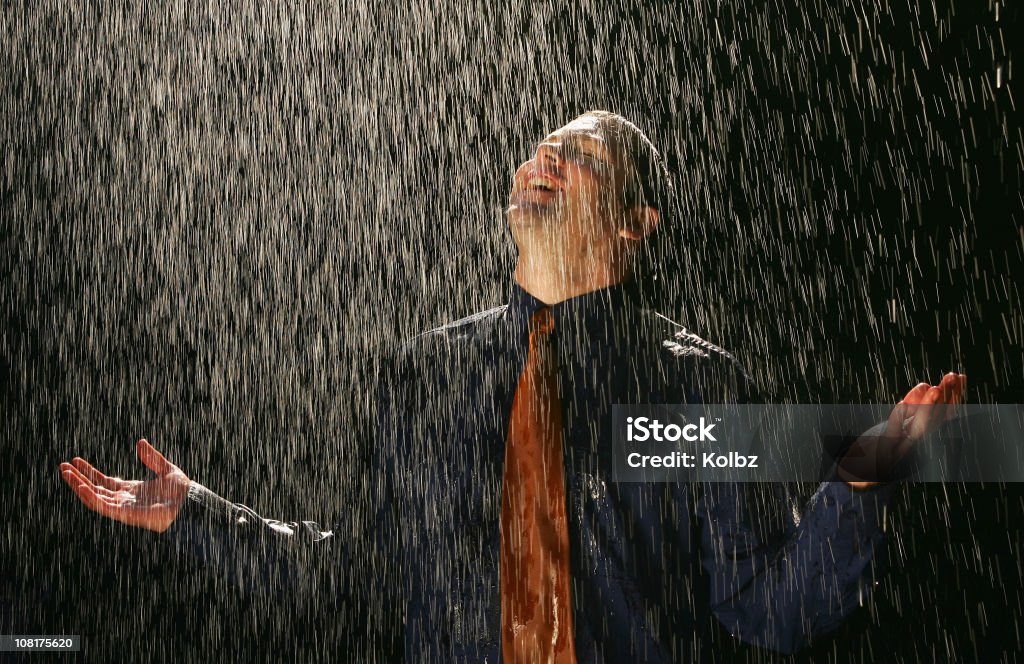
894 427
153 459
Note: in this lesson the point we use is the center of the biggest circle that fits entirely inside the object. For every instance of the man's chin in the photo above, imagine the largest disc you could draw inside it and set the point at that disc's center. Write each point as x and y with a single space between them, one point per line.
525 212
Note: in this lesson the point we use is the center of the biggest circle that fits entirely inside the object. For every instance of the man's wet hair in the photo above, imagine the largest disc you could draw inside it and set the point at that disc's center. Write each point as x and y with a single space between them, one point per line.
649 183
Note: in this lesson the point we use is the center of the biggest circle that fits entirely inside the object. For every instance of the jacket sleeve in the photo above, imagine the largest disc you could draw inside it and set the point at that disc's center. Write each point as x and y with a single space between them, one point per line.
256 554
299 561
782 589
782 576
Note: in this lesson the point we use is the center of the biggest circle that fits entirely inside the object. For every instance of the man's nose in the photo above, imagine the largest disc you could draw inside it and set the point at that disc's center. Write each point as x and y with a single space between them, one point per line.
549 155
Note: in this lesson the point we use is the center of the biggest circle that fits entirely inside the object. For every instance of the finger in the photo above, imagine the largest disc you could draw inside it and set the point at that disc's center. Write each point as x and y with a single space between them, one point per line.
79 477
915 397
947 396
962 391
917 394
82 479
910 416
950 386
95 476
153 459
928 415
958 386
91 499
926 396
958 389
68 476
894 426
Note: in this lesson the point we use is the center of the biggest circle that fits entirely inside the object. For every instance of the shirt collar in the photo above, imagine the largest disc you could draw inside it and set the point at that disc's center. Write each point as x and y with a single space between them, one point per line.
599 312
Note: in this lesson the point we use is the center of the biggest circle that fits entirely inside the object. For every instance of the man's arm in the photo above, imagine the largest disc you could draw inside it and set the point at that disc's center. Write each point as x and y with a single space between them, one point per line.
264 555
345 578
781 590
259 555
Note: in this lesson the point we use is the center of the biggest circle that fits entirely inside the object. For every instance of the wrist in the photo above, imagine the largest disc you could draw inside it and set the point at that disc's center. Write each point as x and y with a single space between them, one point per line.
853 481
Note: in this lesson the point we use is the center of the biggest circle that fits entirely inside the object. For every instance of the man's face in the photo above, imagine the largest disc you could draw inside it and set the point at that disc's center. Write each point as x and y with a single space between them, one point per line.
571 190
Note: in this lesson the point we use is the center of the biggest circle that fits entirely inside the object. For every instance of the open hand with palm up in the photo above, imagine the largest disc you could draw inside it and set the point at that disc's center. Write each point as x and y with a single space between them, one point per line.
153 504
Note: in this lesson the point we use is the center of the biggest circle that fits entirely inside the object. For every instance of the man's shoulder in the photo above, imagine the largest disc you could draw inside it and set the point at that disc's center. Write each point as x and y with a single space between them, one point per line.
698 362
682 354
671 337
678 341
467 329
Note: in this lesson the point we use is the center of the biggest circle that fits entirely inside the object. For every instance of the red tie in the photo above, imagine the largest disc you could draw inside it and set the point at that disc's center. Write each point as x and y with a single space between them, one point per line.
536 600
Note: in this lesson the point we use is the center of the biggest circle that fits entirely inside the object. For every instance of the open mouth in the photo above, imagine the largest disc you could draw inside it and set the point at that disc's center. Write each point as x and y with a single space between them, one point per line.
540 184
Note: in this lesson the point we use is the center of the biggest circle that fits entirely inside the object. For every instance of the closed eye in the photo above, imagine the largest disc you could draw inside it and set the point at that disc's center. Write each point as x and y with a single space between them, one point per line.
595 161
577 153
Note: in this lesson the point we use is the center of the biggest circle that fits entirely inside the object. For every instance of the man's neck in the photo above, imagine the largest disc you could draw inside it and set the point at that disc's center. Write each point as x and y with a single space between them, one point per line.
551 283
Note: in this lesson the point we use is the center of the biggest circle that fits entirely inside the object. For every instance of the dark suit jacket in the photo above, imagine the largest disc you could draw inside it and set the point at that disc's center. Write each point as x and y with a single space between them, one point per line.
651 563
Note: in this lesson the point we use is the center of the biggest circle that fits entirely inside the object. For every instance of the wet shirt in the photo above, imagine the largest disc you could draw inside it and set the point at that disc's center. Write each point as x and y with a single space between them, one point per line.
652 564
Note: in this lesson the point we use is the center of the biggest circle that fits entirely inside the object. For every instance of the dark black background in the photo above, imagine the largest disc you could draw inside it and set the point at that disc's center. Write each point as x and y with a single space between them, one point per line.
215 219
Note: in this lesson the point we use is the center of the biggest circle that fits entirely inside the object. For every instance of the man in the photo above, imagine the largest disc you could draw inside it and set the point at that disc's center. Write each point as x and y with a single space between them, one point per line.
494 529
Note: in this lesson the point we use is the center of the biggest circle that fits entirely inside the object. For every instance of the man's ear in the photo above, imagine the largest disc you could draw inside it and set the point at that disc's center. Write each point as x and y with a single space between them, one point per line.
641 220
